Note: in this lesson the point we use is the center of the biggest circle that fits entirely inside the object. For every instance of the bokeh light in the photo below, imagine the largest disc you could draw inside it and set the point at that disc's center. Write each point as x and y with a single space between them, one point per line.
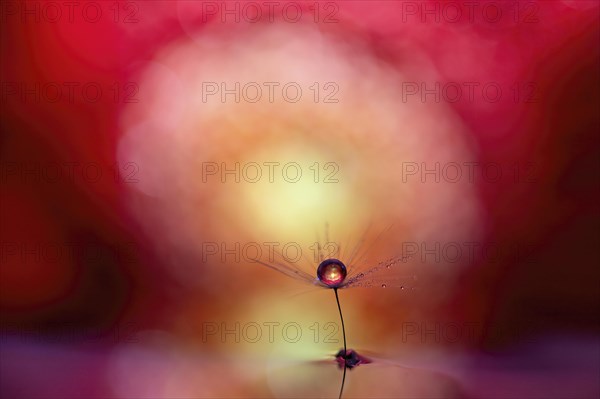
152 152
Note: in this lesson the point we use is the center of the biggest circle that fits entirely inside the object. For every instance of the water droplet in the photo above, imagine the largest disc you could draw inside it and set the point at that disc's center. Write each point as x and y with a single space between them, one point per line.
331 272
383 285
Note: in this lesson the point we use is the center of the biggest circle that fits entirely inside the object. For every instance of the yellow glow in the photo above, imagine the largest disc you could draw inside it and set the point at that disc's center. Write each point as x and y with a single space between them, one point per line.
333 273
282 206
370 133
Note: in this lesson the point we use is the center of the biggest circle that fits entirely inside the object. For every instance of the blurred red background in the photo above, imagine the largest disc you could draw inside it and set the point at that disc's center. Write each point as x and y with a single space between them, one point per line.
112 273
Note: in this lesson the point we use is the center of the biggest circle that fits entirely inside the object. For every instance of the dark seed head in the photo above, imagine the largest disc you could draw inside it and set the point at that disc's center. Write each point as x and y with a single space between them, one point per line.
350 359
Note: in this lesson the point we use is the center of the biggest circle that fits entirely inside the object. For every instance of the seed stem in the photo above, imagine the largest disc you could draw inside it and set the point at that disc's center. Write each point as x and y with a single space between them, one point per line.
337 299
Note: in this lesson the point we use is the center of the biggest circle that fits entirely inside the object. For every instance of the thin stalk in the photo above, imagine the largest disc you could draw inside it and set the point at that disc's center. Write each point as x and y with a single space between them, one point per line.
337 299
